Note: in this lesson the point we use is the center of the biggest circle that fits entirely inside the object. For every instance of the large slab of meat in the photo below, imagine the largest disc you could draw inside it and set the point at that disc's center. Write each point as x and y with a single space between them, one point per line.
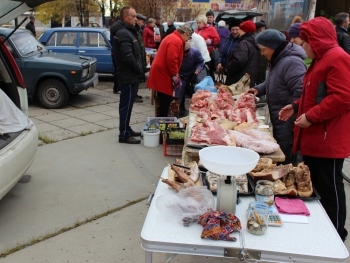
259 145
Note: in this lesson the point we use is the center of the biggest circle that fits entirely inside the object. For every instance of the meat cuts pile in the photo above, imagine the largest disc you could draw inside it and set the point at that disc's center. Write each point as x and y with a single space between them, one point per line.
214 110
223 106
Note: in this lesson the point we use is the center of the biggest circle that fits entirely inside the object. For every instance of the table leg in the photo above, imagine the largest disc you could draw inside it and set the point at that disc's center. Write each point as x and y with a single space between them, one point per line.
148 257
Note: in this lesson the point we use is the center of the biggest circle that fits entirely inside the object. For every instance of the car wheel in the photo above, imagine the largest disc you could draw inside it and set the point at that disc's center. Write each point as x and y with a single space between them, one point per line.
53 94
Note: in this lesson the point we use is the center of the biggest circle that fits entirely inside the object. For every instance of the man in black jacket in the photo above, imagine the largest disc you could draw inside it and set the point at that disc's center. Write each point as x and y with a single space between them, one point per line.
171 27
341 21
30 25
129 58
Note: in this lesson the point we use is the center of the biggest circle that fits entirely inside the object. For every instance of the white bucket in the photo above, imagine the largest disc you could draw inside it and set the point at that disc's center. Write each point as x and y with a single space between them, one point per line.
151 138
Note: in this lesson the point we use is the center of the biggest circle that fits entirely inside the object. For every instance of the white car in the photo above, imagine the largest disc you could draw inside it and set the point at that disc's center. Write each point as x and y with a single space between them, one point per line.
18 135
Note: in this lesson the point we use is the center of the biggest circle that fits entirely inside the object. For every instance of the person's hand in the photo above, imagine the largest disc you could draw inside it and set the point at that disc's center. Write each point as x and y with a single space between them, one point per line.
219 67
286 112
253 91
208 41
197 71
176 82
302 122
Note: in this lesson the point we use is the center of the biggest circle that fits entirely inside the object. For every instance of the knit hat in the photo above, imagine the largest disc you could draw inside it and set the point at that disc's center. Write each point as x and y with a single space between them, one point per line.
270 38
294 31
247 26
31 17
221 23
151 20
187 45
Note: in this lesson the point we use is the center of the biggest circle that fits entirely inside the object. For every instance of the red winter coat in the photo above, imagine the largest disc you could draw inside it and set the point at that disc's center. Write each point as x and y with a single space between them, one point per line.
209 32
328 135
166 63
148 37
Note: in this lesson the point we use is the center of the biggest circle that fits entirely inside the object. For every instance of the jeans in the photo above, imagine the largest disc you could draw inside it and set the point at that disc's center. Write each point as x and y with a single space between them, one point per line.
127 98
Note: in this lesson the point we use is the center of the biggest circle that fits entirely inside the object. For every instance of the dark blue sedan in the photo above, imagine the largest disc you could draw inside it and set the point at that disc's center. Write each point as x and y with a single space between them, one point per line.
86 41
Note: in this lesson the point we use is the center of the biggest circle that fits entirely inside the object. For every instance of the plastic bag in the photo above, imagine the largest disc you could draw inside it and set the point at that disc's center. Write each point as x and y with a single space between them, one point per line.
190 203
206 84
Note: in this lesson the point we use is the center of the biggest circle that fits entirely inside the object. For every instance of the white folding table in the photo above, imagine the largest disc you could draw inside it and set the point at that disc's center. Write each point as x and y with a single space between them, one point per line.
317 241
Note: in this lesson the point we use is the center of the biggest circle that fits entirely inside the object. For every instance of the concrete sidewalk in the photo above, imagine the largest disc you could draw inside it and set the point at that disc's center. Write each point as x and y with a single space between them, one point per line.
86 197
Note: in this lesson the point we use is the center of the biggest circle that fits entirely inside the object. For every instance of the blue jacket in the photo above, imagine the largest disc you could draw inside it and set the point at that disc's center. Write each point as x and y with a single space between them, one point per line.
190 63
227 49
224 34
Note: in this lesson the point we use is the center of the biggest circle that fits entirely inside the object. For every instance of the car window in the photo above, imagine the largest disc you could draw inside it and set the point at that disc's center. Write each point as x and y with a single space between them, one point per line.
62 39
92 39
26 43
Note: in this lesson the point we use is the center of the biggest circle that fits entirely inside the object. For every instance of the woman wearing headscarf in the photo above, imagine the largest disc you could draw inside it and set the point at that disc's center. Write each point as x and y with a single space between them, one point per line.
164 75
323 123
245 57
283 84
293 34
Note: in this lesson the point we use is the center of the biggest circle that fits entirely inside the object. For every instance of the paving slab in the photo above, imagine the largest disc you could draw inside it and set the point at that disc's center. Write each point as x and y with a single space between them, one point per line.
78 112
67 123
45 127
87 128
95 116
59 134
53 116
110 124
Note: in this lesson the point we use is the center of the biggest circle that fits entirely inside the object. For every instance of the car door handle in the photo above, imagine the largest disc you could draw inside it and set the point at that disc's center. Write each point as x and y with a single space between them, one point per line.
81 51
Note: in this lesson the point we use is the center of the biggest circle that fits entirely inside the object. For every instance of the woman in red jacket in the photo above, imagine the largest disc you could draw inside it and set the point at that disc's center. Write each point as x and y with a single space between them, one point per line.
323 122
211 37
148 34
164 74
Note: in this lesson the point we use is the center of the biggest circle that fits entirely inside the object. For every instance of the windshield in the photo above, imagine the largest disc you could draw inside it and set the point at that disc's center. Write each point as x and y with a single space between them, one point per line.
26 44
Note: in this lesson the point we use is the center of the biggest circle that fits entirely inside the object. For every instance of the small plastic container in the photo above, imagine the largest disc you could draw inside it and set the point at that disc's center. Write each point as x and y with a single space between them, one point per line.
151 138
264 192
258 218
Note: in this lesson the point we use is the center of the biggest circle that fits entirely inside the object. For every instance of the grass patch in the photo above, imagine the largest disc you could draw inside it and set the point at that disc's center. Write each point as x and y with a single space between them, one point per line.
34 241
85 133
45 139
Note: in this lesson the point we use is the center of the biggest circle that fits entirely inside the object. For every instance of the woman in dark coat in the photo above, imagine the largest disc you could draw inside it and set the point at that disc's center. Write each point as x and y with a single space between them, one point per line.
245 57
283 84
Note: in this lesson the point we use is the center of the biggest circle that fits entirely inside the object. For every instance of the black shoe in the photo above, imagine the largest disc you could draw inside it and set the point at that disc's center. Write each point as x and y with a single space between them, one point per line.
138 96
129 140
135 134
138 100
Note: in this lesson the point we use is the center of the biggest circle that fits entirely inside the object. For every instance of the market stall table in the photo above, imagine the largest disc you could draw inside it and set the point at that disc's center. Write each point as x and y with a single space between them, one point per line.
316 241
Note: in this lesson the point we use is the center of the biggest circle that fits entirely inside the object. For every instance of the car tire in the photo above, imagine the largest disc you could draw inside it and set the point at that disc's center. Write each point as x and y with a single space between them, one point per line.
53 94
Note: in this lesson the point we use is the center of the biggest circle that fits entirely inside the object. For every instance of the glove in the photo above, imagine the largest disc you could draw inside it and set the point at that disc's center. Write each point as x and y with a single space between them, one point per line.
208 41
176 82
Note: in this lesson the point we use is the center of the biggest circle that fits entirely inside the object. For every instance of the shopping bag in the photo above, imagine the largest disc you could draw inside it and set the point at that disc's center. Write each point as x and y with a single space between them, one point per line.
189 89
219 80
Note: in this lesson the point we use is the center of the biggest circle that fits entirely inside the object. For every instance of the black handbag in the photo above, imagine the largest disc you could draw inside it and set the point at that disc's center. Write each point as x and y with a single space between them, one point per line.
214 54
